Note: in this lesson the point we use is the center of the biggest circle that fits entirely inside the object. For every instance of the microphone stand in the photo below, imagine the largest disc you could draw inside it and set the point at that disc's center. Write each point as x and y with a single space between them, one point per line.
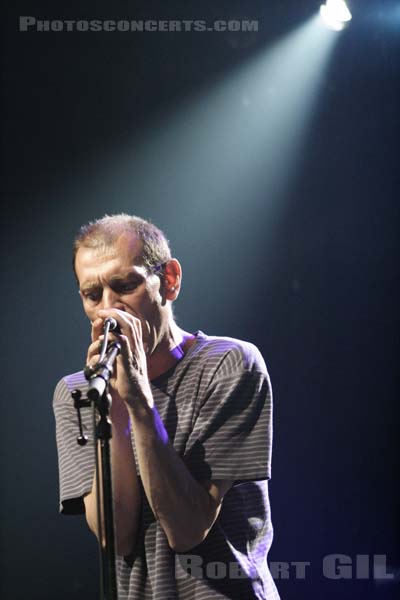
98 378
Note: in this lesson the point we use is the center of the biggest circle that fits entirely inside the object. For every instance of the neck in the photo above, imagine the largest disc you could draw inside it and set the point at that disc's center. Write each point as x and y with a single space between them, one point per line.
169 351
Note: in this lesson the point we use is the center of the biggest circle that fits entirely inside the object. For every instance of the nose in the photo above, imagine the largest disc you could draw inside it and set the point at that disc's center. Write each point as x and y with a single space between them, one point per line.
111 299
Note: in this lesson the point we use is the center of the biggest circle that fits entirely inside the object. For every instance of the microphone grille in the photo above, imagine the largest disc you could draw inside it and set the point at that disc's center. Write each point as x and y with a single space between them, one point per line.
112 324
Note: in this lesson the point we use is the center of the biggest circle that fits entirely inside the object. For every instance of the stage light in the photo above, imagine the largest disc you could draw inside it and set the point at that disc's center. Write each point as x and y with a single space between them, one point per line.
335 14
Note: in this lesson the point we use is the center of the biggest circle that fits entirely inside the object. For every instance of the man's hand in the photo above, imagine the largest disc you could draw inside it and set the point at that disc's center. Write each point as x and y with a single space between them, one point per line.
130 380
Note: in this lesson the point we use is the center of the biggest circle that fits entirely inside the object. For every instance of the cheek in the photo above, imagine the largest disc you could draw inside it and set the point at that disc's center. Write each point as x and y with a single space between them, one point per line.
148 301
151 312
89 312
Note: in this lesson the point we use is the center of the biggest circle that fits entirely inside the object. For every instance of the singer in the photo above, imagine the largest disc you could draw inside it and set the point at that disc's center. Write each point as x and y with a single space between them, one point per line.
191 430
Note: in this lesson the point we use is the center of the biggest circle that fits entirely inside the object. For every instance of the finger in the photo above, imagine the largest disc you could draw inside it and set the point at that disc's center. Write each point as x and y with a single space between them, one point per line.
131 328
126 321
132 359
97 329
93 360
94 350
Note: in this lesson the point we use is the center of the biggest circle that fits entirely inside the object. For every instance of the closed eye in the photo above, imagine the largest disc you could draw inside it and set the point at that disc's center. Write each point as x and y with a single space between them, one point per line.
121 287
125 287
92 295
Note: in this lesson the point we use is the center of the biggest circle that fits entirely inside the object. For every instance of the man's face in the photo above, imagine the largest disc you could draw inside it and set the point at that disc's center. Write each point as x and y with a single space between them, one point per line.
113 278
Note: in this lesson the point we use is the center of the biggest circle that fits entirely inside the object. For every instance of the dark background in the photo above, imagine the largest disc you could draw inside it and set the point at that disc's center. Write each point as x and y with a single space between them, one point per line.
309 274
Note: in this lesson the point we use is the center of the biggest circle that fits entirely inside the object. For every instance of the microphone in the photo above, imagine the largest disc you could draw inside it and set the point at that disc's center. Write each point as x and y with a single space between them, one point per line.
100 375
111 324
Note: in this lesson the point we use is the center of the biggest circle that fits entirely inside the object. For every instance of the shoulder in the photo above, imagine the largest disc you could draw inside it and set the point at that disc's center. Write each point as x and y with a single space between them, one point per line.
229 354
63 389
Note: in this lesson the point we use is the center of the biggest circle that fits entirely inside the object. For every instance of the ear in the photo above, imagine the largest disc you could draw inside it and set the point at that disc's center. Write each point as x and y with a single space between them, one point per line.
172 279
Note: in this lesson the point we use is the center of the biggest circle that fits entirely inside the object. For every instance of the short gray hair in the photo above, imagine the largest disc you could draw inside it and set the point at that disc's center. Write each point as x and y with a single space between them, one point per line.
106 231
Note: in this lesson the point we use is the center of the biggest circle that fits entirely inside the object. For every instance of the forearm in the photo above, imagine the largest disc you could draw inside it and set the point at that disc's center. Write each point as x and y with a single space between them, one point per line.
126 490
181 504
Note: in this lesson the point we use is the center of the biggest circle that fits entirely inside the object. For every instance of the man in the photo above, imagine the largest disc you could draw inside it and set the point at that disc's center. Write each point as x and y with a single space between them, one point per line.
191 422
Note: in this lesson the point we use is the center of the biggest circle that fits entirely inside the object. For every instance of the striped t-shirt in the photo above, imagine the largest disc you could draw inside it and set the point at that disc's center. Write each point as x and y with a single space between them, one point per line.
216 405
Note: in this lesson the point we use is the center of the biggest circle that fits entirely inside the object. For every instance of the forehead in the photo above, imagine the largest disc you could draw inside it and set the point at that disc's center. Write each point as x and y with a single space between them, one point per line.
104 261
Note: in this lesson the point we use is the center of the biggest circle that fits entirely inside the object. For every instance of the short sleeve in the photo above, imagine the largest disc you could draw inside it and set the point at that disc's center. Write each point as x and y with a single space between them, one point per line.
76 463
232 433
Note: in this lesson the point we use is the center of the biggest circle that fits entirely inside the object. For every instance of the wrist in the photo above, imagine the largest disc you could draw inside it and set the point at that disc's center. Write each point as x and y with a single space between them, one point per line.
119 415
140 401
147 426
140 409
